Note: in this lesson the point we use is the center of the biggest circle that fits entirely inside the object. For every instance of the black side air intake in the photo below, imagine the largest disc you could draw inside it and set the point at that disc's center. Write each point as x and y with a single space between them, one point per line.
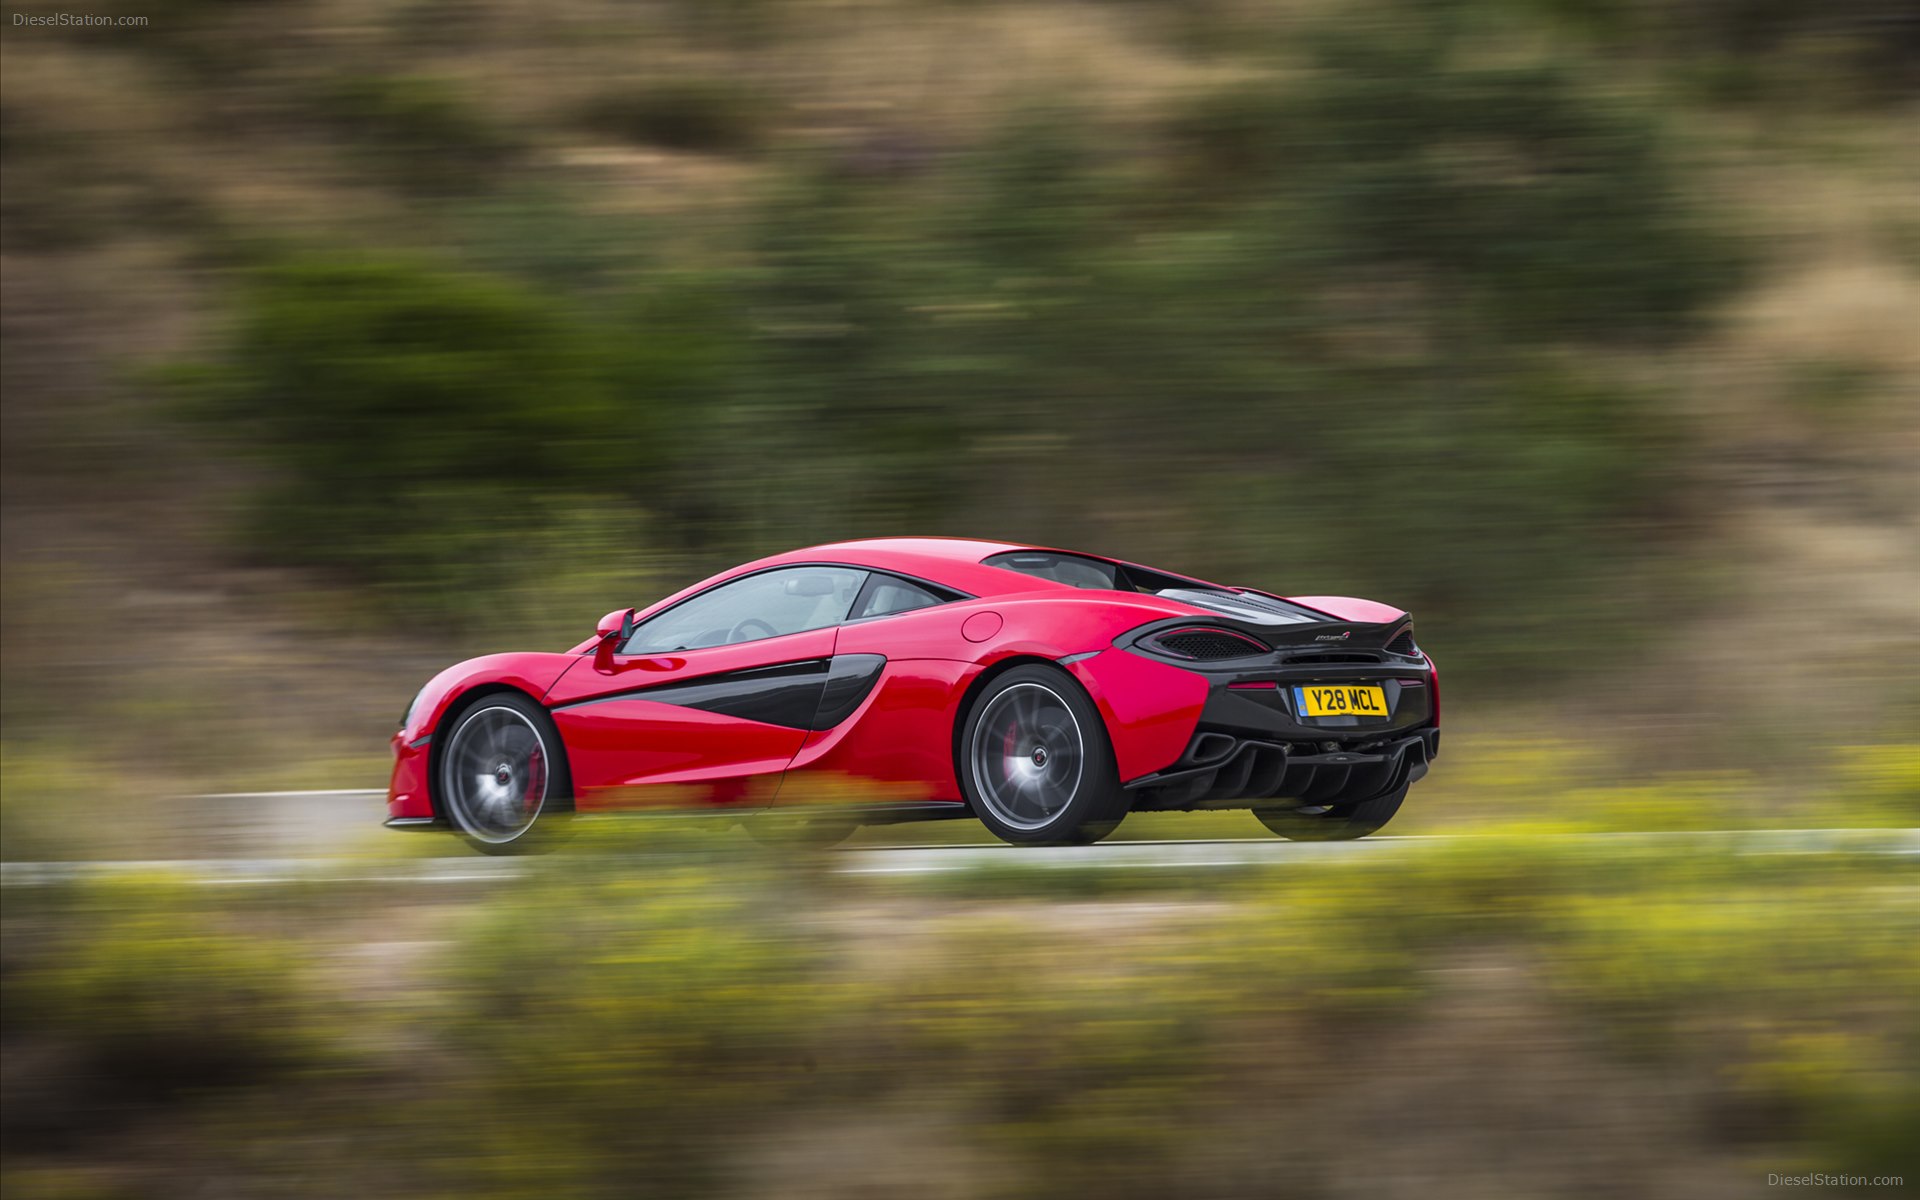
849 678
1202 644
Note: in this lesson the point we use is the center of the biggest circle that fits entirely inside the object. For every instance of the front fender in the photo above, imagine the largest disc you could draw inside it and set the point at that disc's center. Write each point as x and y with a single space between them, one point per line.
532 672
408 793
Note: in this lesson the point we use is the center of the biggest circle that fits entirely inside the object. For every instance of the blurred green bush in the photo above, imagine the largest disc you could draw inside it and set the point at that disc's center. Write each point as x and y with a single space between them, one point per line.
1335 330
389 396
425 429
1768 51
711 115
150 996
420 131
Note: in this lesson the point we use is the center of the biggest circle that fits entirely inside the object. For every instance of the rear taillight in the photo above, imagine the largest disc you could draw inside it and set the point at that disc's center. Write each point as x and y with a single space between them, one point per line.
1204 643
1433 679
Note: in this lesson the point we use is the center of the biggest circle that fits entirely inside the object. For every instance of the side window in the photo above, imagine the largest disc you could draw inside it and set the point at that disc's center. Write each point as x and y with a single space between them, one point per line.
887 595
769 604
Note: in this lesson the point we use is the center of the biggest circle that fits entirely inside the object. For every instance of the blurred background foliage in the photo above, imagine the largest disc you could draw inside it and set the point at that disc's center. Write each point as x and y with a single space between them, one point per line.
1323 320
355 339
1578 327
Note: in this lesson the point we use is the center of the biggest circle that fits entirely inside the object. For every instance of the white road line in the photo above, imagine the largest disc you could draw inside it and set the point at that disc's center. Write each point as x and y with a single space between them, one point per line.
267 870
1253 852
928 860
1895 841
308 794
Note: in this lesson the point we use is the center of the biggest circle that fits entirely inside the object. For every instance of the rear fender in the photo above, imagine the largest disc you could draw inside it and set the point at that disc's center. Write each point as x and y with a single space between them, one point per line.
1151 708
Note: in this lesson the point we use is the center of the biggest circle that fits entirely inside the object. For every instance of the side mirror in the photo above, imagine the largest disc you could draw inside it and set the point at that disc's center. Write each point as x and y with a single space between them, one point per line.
614 629
619 621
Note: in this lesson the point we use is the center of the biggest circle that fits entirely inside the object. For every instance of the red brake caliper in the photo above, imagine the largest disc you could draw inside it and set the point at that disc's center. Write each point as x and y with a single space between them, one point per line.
536 781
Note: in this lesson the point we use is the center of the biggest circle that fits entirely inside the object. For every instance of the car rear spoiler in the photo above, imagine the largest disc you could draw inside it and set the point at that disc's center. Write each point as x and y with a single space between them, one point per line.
1340 608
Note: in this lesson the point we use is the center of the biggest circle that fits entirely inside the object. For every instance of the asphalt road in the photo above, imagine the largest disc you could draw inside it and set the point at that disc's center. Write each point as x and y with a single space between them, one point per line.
927 860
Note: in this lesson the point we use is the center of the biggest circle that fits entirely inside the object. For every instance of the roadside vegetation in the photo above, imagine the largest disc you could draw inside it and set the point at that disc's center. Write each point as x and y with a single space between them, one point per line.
707 1021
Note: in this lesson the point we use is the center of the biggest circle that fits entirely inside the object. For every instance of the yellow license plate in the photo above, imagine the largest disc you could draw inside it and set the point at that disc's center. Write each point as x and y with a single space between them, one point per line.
1346 700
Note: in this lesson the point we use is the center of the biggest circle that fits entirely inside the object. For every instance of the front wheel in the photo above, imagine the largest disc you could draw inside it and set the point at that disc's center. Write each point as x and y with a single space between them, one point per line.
1036 763
503 772
1333 823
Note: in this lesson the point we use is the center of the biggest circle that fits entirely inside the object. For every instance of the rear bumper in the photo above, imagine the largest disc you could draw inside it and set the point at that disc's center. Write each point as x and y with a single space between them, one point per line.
1228 769
1269 707
1252 742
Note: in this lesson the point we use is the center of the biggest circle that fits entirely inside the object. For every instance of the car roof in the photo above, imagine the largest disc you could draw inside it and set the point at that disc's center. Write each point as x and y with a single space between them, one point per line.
952 562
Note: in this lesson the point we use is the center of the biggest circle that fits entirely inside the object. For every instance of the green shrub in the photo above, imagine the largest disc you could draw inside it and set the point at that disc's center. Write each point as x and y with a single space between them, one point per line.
1879 784
422 429
630 1032
1521 199
388 393
154 999
421 131
1841 51
710 115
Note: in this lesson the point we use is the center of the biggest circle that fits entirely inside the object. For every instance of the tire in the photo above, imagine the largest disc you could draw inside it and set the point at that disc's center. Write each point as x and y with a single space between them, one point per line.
1340 823
502 780
1036 764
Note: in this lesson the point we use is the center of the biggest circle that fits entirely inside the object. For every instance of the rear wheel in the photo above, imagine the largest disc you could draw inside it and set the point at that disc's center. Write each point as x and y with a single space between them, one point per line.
503 778
1333 823
1036 763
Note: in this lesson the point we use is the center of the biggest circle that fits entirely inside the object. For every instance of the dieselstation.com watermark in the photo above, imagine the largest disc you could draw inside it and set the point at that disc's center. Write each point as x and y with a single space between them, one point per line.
68 20
1822 1179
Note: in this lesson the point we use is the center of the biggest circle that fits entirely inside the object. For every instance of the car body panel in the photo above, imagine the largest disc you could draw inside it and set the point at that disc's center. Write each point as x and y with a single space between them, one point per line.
875 705
899 741
1151 708
407 794
619 748
531 672
534 673
904 735
695 717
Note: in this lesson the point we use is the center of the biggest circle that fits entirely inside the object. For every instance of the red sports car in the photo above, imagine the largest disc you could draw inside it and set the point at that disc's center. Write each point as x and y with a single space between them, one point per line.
1046 693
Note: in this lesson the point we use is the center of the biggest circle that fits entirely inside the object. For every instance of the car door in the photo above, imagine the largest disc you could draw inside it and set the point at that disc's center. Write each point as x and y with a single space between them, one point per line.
710 699
886 733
